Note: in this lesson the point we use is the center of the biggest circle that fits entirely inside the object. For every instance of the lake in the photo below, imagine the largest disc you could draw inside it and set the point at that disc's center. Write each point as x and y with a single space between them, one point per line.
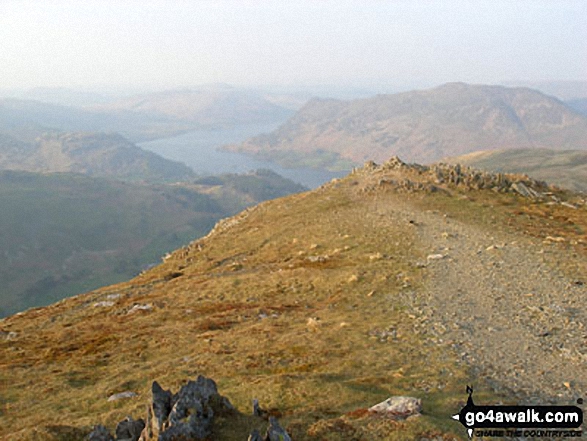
200 151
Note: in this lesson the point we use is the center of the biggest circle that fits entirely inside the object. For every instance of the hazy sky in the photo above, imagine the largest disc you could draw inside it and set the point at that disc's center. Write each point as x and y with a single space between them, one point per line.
165 44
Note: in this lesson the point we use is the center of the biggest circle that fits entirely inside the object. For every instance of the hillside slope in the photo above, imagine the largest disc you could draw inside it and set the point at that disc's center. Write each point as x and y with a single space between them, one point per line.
567 168
395 280
94 154
422 126
62 234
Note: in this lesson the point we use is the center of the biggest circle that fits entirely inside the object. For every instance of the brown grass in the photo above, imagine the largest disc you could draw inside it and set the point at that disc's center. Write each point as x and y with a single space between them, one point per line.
257 310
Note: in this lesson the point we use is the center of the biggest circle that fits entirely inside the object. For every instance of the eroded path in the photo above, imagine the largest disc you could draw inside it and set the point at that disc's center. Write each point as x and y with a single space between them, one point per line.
502 304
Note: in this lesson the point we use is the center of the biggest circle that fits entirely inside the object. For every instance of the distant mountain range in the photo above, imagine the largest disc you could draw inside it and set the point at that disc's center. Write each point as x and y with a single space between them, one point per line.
93 154
149 116
62 234
209 107
422 126
566 168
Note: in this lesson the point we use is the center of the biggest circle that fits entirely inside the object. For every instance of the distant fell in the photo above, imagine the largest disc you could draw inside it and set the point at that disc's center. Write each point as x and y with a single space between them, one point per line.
209 107
93 154
423 126
566 168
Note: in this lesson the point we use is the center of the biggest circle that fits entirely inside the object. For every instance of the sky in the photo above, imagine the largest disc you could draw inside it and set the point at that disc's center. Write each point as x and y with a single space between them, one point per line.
171 44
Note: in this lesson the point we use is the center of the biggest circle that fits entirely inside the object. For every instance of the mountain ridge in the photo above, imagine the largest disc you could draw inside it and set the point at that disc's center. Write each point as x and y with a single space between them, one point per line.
425 126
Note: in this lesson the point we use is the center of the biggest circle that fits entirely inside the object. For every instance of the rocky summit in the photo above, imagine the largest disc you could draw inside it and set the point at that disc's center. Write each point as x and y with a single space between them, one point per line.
358 311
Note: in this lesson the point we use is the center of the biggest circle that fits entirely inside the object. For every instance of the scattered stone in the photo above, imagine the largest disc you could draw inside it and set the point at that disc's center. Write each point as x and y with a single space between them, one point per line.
353 278
558 239
129 429
313 324
376 256
319 259
103 304
136 308
567 204
122 395
524 190
275 432
9 335
435 256
100 433
112 296
398 407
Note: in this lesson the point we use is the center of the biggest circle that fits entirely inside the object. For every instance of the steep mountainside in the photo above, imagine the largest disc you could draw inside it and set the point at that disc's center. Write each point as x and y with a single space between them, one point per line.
94 154
567 168
396 280
62 234
423 126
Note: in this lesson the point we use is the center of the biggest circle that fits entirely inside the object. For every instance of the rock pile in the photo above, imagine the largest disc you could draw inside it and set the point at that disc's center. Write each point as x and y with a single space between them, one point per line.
428 178
185 416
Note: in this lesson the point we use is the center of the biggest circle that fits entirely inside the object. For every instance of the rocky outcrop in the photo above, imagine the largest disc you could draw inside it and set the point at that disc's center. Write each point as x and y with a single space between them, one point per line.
185 416
441 177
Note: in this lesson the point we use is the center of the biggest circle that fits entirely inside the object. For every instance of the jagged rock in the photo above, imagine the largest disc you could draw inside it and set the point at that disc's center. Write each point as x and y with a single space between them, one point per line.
275 432
393 163
161 405
256 408
255 436
188 415
129 429
100 433
525 191
398 407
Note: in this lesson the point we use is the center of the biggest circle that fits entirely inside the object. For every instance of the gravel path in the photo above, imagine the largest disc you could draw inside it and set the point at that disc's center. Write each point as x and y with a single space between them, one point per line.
504 307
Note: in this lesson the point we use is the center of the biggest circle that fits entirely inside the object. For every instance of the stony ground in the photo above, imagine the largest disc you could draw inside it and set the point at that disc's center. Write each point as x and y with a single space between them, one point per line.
504 303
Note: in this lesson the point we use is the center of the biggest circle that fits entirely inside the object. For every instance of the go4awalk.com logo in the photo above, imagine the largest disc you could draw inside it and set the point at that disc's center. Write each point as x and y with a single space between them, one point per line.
520 421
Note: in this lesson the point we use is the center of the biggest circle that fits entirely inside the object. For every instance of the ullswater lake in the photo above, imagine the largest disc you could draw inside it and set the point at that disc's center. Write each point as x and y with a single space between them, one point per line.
200 150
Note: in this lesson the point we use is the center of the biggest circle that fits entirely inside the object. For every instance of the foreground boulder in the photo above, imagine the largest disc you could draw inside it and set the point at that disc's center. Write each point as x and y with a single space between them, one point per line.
398 407
187 415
